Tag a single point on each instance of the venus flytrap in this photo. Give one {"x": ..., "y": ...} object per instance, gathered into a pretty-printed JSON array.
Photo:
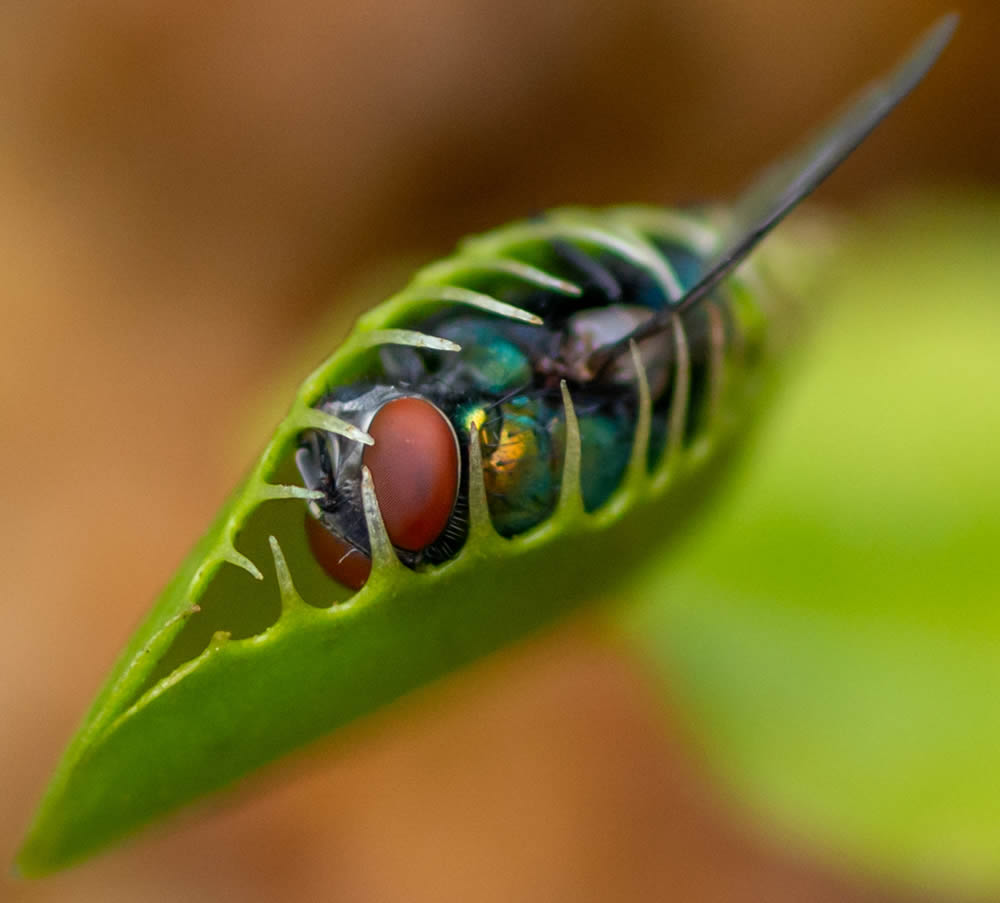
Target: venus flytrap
[{"x": 594, "y": 368}]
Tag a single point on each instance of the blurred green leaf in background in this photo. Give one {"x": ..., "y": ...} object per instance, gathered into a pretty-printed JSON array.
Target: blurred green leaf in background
[{"x": 833, "y": 634}]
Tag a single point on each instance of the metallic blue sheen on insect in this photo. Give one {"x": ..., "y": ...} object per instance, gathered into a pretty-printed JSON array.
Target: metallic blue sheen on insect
[{"x": 504, "y": 382}]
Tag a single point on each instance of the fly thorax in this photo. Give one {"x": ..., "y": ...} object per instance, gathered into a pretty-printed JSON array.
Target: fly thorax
[{"x": 597, "y": 327}]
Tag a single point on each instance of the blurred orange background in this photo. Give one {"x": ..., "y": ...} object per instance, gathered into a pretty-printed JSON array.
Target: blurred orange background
[{"x": 187, "y": 189}]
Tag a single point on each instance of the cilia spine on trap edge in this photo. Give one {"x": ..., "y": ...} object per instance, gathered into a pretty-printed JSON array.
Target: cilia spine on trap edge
[{"x": 554, "y": 304}]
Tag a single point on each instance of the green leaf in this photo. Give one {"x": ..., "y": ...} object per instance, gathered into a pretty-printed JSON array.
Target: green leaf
[
  {"x": 252, "y": 651},
  {"x": 835, "y": 633}
]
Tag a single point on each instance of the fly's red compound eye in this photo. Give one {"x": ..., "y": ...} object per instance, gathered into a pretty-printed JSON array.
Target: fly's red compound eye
[
  {"x": 343, "y": 562},
  {"x": 414, "y": 468}
]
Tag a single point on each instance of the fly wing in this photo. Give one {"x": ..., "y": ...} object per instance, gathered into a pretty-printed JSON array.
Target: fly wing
[
  {"x": 772, "y": 196},
  {"x": 781, "y": 186}
]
